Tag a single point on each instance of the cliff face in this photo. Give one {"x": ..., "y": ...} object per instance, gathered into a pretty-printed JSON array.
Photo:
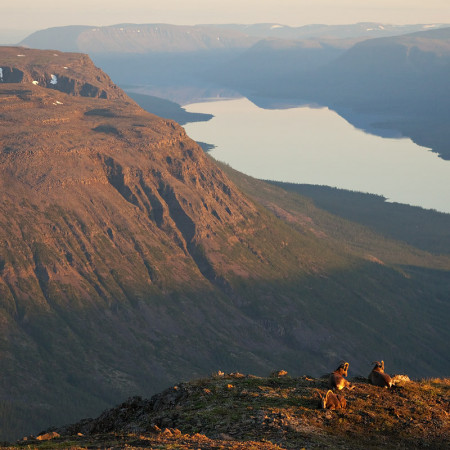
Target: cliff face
[{"x": 71, "y": 73}]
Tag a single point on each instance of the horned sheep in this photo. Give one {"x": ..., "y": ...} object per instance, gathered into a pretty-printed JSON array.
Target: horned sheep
[
  {"x": 337, "y": 380},
  {"x": 332, "y": 401},
  {"x": 378, "y": 378}
]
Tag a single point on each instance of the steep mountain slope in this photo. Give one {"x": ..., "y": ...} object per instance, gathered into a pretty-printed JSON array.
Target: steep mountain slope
[{"x": 129, "y": 260}]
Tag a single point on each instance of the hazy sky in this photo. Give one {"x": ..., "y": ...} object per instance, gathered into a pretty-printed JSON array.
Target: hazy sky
[{"x": 33, "y": 15}]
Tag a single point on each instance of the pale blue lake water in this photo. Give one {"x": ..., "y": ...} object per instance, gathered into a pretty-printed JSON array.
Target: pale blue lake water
[{"x": 317, "y": 146}]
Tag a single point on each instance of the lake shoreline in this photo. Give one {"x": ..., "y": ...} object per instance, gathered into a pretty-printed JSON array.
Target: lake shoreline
[{"x": 316, "y": 146}]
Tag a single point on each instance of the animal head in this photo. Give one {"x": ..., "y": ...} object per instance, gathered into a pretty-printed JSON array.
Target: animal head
[
  {"x": 323, "y": 399},
  {"x": 379, "y": 366},
  {"x": 343, "y": 368}
]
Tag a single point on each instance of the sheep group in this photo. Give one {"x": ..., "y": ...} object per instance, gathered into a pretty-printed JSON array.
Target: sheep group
[{"x": 337, "y": 381}]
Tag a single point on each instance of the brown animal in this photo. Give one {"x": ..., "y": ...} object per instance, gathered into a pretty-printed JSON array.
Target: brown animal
[
  {"x": 332, "y": 401},
  {"x": 337, "y": 380},
  {"x": 378, "y": 378}
]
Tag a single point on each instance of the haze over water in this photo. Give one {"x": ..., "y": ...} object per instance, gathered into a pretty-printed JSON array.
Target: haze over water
[{"x": 316, "y": 146}]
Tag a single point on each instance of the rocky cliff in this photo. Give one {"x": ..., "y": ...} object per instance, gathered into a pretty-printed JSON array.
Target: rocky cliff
[{"x": 71, "y": 73}]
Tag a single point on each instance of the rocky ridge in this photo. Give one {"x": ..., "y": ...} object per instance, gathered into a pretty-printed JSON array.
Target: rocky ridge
[{"x": 245, "y": 411}]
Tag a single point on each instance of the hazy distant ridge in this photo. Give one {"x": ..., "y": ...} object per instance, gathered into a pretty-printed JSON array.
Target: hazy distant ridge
[{"x": 141, "y": 38}]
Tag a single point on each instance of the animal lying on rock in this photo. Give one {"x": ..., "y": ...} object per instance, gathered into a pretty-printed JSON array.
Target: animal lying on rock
[
  {"x": 332, "y": 401},
  {"x": 378, "y": 378},
  {"x": 337, "y": 380}
]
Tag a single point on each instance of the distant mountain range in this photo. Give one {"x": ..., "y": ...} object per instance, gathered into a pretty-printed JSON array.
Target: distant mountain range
[
  {"x": 143, "y": 38},
  {"x": 129, "y": 260},
  {"x": 132, "y": 38}
]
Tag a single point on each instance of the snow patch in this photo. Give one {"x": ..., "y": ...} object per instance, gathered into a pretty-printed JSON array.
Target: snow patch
[
  {"x": 65, "y": 67},
  {"x": 54, "y": 79},
  {"x": 35, "y": 82},
  {"x": 1, "y": 74},
  {"x": 59, "y": 103},
  {"x": 381, "y": 27},
  {"x": 20, "y": 55},
  {"x": 276, "y": 26},
  {"x": 430, "y": 26}
]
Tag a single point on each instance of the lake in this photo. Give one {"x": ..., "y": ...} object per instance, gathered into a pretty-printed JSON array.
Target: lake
[{"x": 317, "y": 146}]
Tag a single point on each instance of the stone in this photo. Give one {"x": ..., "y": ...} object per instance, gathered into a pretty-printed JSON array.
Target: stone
[{"x": 48, "y": 436}]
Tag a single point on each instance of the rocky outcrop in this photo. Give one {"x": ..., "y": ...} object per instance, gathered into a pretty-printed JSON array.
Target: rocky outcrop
[{"x": 241, "y": 408}]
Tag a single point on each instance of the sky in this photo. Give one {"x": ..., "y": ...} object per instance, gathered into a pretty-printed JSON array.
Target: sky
[{"x": 31, "y": 15}]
